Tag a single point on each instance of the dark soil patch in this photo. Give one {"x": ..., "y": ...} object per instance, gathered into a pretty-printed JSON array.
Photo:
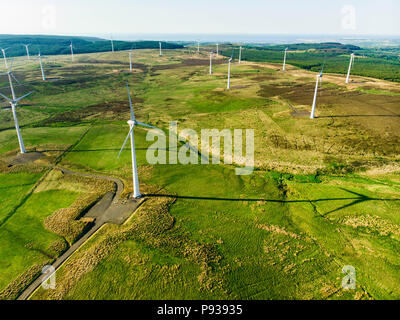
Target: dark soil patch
[
  {"x": 262, "y": 78},
  {"x": 240, "y": 87},
  {"x": 268, "y": 91},
  {"x": 300, "y": 114},
  {"x": 26, "y": 158},
  {"x": 188, "y": 62},
  {"x": 114, "y": 109}
]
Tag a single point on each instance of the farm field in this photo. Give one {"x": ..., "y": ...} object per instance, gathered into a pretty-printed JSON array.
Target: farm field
[{"x": 324, "y": 194}]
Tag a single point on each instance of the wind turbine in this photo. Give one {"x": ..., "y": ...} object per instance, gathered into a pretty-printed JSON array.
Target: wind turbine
[
  {"x": 130, "y": 60},
  {"x": 112, "y": 44},
  {"x": 217, "y": 49},
  {"x": 211, "y": 54},
  {"x": 160, "y": 55},
  {"x": 5, "y": 57},
  {"x": 284, "y": 60},
  {"x": 14, "y": 102},
  {"x": 132, "y": 123},
  {"x": 229, "y": 72},
  {"x": 41, "y": 66},
  {"x": 319, "y": 82},
  {"x": 72, "y": 51},
  {"x": 240, "y": 55},
  {"x": 350, "y": 66},
  {"x": 27, "y": 51}
]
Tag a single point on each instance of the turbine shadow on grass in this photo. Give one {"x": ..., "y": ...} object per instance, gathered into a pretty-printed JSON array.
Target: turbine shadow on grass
[
  {"x": 361, "y": 115},
  {"x": 356, "y": 200},
  {"x": 100, "y": 150}
]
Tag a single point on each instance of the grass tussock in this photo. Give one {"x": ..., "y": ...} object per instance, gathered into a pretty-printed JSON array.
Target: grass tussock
[
  {"x": 15, "y": 287},
  {"x": 6, "y": 167},
  {"x": 63, "y": 221},
  {"x": 372, "y": 224}
]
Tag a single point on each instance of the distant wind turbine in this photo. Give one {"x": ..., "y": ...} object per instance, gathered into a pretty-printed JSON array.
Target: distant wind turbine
[
  {"x": 319, "y": 82},
  {"x": 27, "y": 51},
  {"x": 240, "y": 55},
  {"x": 350, "y": 66},
  {"x": 229, "y": 72},
  {"x": 72, "y": 51},
  {"x": 160, "y": 55},
  {"x": 211, "y": 55},
  {"x": 284, "y": 60},
  {"x": 14, "y": 102},
  {"x": 130, "y": 61},
  {"x": 132, "y": 123},
  {"x": 217, "y": 49},
  {"x": 112, "y": 45},
  {"x": 5, "y": 56},
  {"x": 41, "y": 66}
]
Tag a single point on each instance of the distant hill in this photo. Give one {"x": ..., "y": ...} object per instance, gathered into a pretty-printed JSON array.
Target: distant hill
[
  {"x": 327, "y": 47},
  {"x": 56, "y": 45}
]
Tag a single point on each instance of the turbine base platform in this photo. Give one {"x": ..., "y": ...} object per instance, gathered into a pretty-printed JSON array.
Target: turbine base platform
[{"x": 27, "y": 157}]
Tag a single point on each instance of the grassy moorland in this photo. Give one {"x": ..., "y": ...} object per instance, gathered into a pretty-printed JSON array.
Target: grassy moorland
[
  {"x": 324, "y": 193},
  {"x": 335, "y": 58}
]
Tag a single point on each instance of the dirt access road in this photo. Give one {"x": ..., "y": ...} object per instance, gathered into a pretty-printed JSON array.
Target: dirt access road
[{"x": 110, "y": 209}]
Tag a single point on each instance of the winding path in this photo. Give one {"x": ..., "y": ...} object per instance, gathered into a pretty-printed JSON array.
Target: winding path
[{"x": 110, "y": 209}]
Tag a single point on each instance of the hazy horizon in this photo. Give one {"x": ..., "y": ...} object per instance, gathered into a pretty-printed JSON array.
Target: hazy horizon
[{"x": 256, "y": 17}]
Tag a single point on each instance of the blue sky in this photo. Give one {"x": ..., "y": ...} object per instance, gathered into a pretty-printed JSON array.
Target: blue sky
[{"x": 202, "y": 16}]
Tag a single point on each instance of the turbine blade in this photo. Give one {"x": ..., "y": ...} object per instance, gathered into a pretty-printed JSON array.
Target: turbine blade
[
  {"x": 123, "y": 146},
  {"x": 28, "y": 94},
  {"x": 130, "y": 103},
  {"x": 145, "y": 125},
  {"x": 12, "y": 75},
  {"x": 8, "y": 99}
]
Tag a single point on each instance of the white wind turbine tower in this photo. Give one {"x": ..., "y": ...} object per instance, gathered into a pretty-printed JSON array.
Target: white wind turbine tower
[
  {"x": 41, "y": 66},
  {"x": 160, "y": 55},
  {"x": 229, "y": 72},
  {"x": 132, "y": 123},
  {"x": 130, "y": 61},
  {"x": 211, "y": 55},
  {"x": 284, "y": 60},
  {"x": 350, "y": 66},
  {"x": 4, "y": 56},
  {"x": 112, "y": 45},
  {"x": 240, "y": 55},
  {"x": 27, "y": 51},
  {"x": 217, "y": 49},
  {"x": 72, "y": 51},
  {"x": 14, "y": 102},
  {"x": 319, "y": 82}
]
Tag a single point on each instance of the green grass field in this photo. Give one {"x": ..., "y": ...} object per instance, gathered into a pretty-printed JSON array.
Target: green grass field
[{"x": 324, "y": 193}]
